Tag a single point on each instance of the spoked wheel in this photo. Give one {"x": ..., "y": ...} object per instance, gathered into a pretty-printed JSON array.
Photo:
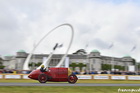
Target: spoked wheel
[
  {"x": 42, "y": 78},
  {"x": 72, "y": 79}
]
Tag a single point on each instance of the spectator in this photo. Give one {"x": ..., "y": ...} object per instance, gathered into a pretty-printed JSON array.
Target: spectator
[
  {"x": 91, "y": 72},
  {"x": 86, "y": 72},
  {"x": 75, "y": 72}
]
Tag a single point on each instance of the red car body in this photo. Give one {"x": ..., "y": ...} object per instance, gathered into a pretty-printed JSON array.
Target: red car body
[{"x": 54, "y": 75}]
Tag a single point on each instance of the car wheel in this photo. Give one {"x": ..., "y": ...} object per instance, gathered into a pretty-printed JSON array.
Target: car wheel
[
  {"x": 72, "y": 79},
  {"x": 42, "y": 78}
]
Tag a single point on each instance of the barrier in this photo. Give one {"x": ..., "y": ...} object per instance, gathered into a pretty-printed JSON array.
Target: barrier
[
  {"x": 1, "y": 76},
  {"x": 12, "y": 76},
  {"x": 100, "y": 77},
  {"x": 88, "y": 77},
  {"x": 118, "y": 77},
  {"x": 25, "y": 77},
  {"x": 84, "y": 76},
  {"x": 133, "y": 77}
]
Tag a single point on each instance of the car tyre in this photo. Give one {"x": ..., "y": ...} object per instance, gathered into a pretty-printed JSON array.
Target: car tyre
[
  {"x": 72, "y": 78},
  {"x": 42, "y": 78}
]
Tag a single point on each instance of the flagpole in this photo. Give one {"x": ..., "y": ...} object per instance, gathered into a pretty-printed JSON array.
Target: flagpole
[
  {"x": 86, "y": 47},
  {"x": 112, "y": 59},
  {"x": 87, "y": 58},
  {"x": 133, "y": 48}
]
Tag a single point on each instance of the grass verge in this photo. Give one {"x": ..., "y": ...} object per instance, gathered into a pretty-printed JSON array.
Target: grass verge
[
  {"x": 65, "y": 89},
  {"x": 79, "y": 81}
]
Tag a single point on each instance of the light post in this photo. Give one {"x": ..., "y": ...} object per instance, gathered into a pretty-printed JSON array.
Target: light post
[
  {"x": 112, "y": 63},
  {"x": 137, "y": 66}
]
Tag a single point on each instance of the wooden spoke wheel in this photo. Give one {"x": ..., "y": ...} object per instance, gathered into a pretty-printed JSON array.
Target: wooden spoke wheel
[
  {"x": 42, "y": 78},
  {"x": 72, "y": 79}
]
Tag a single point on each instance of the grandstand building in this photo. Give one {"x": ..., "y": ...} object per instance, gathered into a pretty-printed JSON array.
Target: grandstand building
[{"x": 93, "y": 60}]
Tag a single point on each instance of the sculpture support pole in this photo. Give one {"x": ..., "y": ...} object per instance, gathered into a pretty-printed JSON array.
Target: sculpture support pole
[
  {"x": 46, "y": 63},
  {"x": 26, "y": 63},
  {"x": 63, "y": 58}
]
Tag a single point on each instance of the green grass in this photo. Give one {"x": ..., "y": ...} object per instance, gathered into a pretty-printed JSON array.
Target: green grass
[
  {"x": 18, "y": 81},
  {"x": 65, "y": 89},
  {"x": 110, "y": 81},
  {"x": 79, "y": 81}
]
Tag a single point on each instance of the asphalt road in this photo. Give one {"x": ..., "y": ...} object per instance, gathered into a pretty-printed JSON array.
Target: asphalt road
[{"x": 64, "y": 84}]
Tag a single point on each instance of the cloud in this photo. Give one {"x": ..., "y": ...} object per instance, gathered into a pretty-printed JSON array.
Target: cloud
[{"x": 96, "y": 22}]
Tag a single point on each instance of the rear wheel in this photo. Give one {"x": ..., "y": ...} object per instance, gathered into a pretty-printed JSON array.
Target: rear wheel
[
  {"x": 72, "y": 79},
  {"x": 42, "y": 78}
]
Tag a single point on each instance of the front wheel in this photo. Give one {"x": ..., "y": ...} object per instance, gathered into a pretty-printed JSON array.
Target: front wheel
[
  {"x": 72, "y": 78},
  {"x": 42, "y": 78}
]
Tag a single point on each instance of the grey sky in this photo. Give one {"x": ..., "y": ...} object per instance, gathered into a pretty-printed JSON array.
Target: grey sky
[{"x": 97, "y": 23}]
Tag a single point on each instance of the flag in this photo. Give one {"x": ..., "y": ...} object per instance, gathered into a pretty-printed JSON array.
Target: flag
[
  {"x": 111, "y": 46},
  {"x": 59, "y": 46},
  {"x": 86, "y": 46},
  {"x": 133, "y": 48},
  {"x": 56, "y": 45}
]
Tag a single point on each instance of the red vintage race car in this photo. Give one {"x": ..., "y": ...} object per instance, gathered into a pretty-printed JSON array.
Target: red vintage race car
[{"x": 54, "y": 75}]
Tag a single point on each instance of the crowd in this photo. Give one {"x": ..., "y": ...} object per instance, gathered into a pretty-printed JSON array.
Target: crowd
[
  {"x": 107, "y": 72},
  {"x": 76, "y": 72},
  {"x": 9, "y": 71}
]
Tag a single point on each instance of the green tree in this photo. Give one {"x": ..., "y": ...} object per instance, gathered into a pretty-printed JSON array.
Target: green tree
[
  {"x": 106, "y": 66},
  {"x": 81, "y": 65},
  {"x": 73, "y": 65},
  {"x": 31, "y": 64},
  {"x": 35, "y": 64},
  {"x": 138, "y": 65},
  {"x": 1, "y": 65},
  {"x": 38, "y": 64},
  {"x": 119, "y": 67}
]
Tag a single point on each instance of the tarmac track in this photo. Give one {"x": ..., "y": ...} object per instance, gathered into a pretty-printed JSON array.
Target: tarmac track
[{"x": 64, "y": 84}]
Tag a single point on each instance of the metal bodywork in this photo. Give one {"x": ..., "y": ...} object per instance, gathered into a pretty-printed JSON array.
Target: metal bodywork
[{"x": 53, "y": 75}]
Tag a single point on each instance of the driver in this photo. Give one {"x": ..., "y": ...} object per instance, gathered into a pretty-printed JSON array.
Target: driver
[{"x": 42, "y": 69}]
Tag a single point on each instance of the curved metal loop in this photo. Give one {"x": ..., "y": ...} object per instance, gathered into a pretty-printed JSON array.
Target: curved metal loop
[{"x": 26, "y": 67}]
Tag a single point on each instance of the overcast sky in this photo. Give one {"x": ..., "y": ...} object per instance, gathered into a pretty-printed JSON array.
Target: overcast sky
[{"x": 98, "y": 23}]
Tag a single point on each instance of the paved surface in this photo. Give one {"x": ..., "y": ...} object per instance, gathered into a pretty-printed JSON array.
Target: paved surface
[{"x": 63, "y": 84}]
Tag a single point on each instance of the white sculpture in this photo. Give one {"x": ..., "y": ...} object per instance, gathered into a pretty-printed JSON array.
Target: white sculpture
[{"x": 26, "y": 63}]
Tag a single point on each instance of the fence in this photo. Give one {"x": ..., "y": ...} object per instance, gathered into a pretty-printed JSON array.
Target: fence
[{"x": 93, "y": 77}]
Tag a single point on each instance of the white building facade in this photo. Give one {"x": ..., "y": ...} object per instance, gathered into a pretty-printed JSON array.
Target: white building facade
[{"x": 93, "y": 60}]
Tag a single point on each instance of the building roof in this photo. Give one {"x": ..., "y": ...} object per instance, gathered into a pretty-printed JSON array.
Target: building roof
[
  {"x": 8, "y": 55},
  {"x": 21, "y": 51},
  {"x": 127, "y": 55},
  {"x": 94, "y": 50}
]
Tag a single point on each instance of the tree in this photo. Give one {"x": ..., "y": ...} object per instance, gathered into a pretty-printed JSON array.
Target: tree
[
  {"x": 119, "y": 67},
  {"x": 1, "y": 65},
  {"x": 35, "y": 64},
  {"x": 38, "y": 64},
  {"x": 138, "y": 64},
  {"x": 31, "y": 64},
  {"x": 106, "y": 66},
  {"x": 73, "y": 65},
  {"x": 81, "y": 65}
]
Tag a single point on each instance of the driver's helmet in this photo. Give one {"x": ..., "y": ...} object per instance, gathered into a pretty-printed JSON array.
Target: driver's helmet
[{"x": 42, "y": 66}]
